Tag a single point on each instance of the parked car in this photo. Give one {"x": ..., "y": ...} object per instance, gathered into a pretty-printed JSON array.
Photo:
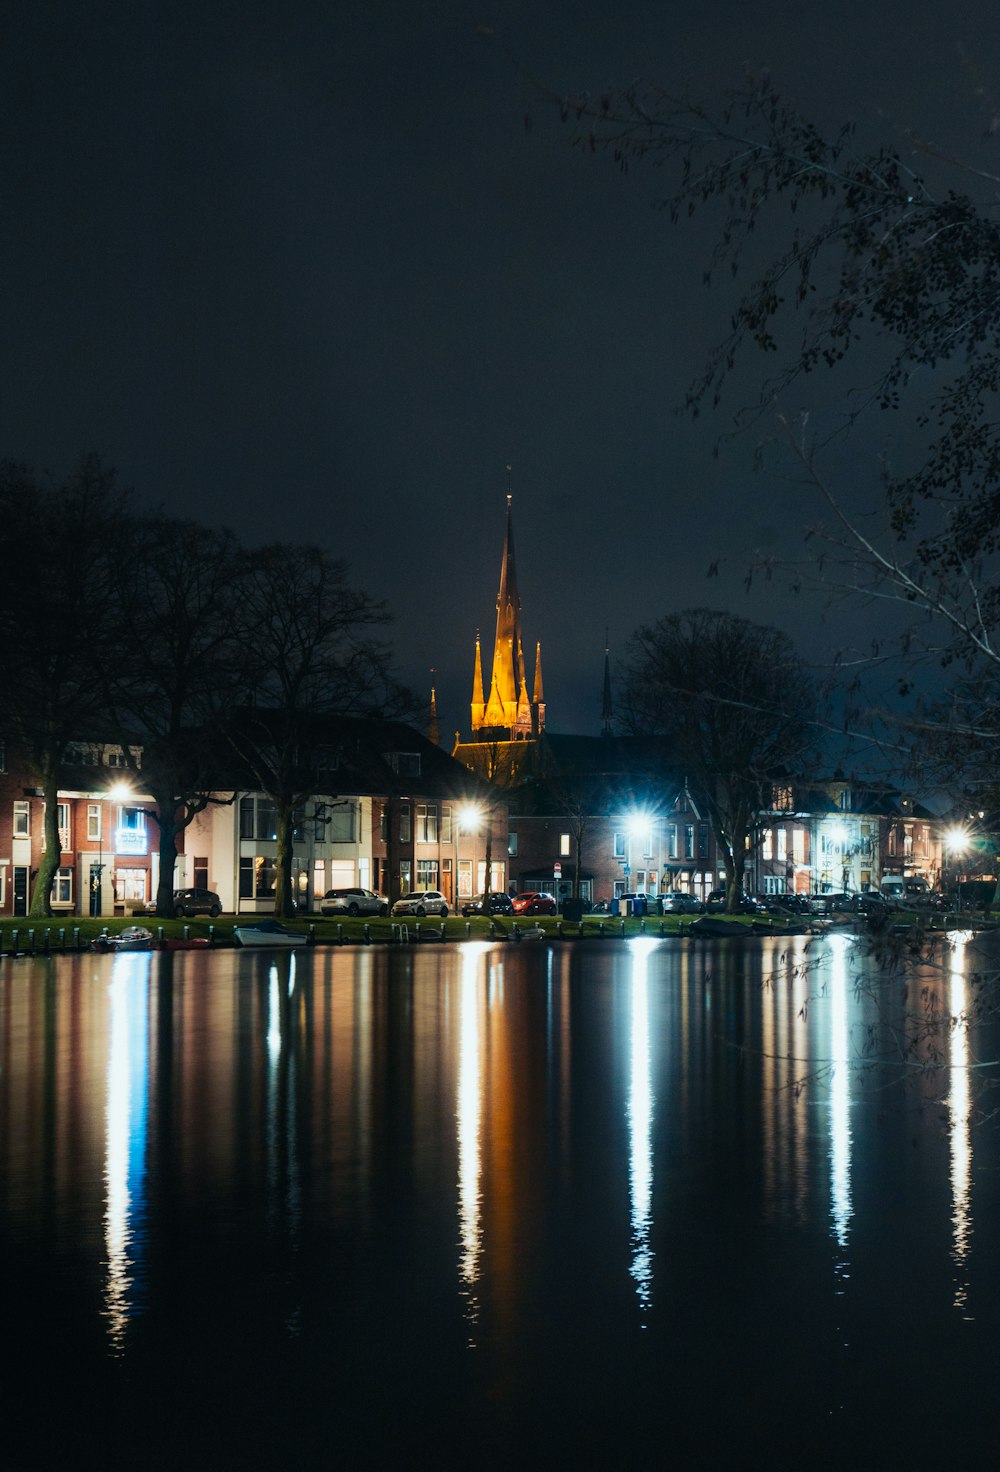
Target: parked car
[
  {"x": 745, "y": 905},
  {"x": 789, "y": 904},
  {"x": 188, "y": 902},
  {"x": 493, "y": 904},
  {"x": 352, "y": 901},
  {"x": 676, "y": 902},
  {"x": 534, "y": 902},
  {"x": 835, "y": 902},
  {"x": 422, "y": 902},
  {"x": 870, "y": 903}
]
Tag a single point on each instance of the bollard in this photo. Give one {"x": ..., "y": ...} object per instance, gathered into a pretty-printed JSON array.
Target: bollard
[
  {"x": 623, "y": 930},
  {"x": 312, "y": 936},
  {"x": 13, "y": 941},
  {"x": 368, "y": 934},
  {"x": 559, "y": 929},
  {"x": 600, "y": 929},
  {"x": 187, "y": 932},
  {"x": 468, "y": 930},
  {"x": 76, "y": 937},
  {"x": 211, "y": 936},
  {"x": 31, "y": 942},
  {"x": 340, "y": 934}
]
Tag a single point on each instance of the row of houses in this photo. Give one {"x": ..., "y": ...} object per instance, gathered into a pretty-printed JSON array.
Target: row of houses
[{"x": 598, "y": 816}]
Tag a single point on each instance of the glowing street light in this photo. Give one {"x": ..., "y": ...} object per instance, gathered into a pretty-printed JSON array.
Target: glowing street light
[
  {"x": 118, "y": 792},
  {"x": 468, "y": 819}
]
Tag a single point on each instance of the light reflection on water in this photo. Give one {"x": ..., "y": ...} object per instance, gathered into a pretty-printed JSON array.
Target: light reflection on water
[
  {"x": 329, "y": 1144},
  {"x": 640, "y": 1123},
  {"x": 125, "y": 1141}
]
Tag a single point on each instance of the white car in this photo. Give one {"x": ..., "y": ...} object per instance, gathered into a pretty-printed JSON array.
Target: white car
[
  {"x": 678, "y": 902},
  {"x": 352, "y": 902},
  {"x": 422, "y": 902}
]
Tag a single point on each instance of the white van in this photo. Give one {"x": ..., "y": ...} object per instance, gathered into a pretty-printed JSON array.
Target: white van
[{"x": 897, "y": 890}]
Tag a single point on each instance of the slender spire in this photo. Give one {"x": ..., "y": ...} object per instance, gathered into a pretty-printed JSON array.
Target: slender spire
[
  {"x": 538, "y": 697},
  {"x": 432, "y": 721},
  {"x": 607, "y": 710},
  {"x": 478, "y": 704},
  {"x": 502, "y": 704},
  {"x": 506, "y": 676}
]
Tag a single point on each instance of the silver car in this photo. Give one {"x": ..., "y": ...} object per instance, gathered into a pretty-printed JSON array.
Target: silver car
[
  {"x": 352, "y": 902},
  {"x": 677, "y": 902},
  {"x": 422, "y": 902}
]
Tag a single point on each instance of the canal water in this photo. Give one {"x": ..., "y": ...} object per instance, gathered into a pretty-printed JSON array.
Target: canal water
[{"x": 618, "y": 1204}]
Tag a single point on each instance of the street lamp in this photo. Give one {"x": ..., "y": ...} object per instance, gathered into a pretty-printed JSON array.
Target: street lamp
[
  {"x": 469, "y": 819},
  {"x": 118, "y": 792},
  {"x": 637, "y": 824},
  {"x": 956, "y": 844}
]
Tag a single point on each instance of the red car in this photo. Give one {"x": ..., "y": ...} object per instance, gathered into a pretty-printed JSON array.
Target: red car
[{"x": 533, "y": 902}]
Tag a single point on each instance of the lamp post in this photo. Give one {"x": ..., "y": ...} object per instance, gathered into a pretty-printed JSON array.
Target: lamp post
[
  {"x": 956, "y": 844},
  {"x": 468, "y": 818},
  {"x": 118, "y": 792},
  {"x": 637, "y": 823}
]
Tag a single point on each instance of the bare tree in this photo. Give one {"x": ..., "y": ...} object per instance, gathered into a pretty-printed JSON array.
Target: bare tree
[
  {"x": 177, "y": 595},
  {"x": 884, "y": 255},
  {"x": 734, "y": 708},
  {"x": 308, "y": 647},
  {"x": 57, "y": 617}
]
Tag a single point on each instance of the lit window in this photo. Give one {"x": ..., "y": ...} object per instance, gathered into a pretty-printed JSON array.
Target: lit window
[
  {"x": 512, "y": 845},
  {"x": 564, "y": 843},
  {"x": 22, "y": 820},
  {"x": 427, "y": 828},
  {"x": 62, "y": 887},
  {"x": 404, "y": 823},
  {"x": 93, "y": 822}
]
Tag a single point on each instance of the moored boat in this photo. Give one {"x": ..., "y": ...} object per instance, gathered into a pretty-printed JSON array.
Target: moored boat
[
  {"x": 132, "y": 938},
  {"x": 269, "y": 934}
]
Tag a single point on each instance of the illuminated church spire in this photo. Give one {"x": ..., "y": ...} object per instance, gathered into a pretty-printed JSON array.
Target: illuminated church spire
[{"x": 507, "y": 713}]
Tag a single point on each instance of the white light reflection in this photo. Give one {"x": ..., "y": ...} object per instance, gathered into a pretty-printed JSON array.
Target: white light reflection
[
  {"x": 125, "y": 1139},
  {"x": 640, "y": 1127},
  {"x": 468, "y": 1115},
  {"x": 841, "y": 1207},
  {"x": 959, "y": 1135}
]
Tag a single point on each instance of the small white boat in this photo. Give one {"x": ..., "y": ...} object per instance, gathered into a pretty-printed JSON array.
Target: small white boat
[
  {"x": 268, "y": 933},
  {"x": 132, "y": 938},
  {"x": 533, "y": 932}
]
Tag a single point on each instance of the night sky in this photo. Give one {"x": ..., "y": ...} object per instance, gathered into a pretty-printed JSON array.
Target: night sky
[{"x": 301, "y": 269}]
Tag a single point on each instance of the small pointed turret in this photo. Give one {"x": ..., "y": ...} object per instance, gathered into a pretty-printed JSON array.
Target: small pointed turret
[
  {"x": 432, "y": 720},
  {"x": 478, "y": 704},
  {"x": 607, "y": 711}
]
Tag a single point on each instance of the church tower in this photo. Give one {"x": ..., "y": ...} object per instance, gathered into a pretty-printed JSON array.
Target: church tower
[{"x": 507, "y": 713}]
